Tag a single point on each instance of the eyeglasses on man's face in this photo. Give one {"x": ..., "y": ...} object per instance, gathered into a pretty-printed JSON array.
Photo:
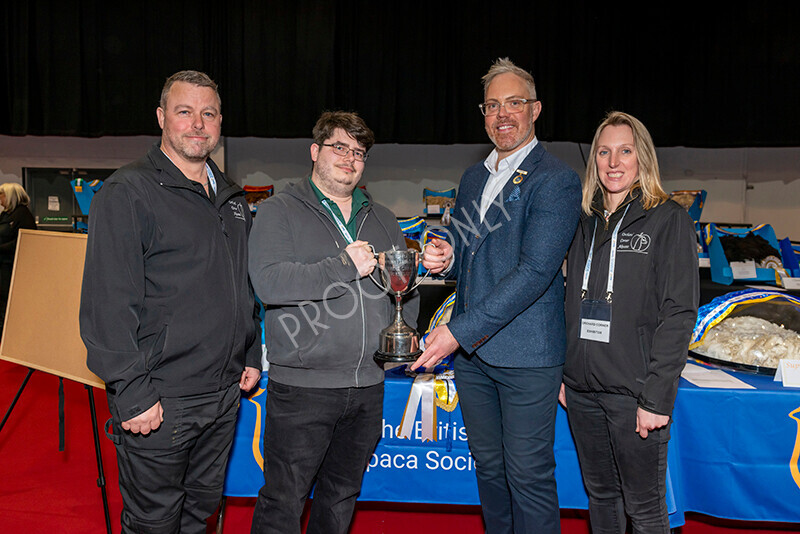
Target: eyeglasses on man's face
[
  {"x": 343, "y": 151},
  {"x": 515, "y": 105}
]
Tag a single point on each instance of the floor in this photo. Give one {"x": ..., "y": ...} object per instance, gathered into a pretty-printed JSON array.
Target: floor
[{"x": 44, "y": 490}]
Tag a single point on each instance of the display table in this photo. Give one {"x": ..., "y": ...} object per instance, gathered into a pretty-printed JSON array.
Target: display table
[
  {"x": 731, "y": 454},
  {"x": 736, "y": 451}
]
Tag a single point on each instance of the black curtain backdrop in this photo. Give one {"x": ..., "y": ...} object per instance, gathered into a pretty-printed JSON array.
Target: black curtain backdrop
[{"x": 696, "y": 76}]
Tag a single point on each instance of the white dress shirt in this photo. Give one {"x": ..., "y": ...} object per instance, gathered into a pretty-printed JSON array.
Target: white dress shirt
[{"x": 499, "y": 176}]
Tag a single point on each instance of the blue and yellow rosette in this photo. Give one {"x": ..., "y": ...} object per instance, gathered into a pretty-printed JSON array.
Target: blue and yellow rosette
[
  {"x": 413, "y": 227},
  {"x": 711, "y": 228},
  {"x": 434, "y": 232},
  {"x": 427, "y": 236},
  {"x": 711, "y": 314},
  {"x": 442, "y": 314}
]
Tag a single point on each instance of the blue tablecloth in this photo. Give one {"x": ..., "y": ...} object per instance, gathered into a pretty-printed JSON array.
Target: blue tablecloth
[
  {"x": 737, "y": 450},
  {"x": 733, "y": 454}
]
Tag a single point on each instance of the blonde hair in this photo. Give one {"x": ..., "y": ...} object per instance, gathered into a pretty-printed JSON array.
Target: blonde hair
[
  {"x": 649, "y": 176},
  {"x": 15, "y": 195},
  {"x": 504, "y": 65}
]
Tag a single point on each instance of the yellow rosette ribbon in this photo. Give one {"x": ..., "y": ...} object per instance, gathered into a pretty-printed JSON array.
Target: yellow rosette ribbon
[
  {"x": 428, "y": 392},
  {"x": 794, "y": 463}
]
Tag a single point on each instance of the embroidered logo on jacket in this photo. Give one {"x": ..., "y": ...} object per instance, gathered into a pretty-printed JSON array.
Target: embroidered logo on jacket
[
  {"x": 629, "y": 242},
  {"x": 238, "y": 210}
]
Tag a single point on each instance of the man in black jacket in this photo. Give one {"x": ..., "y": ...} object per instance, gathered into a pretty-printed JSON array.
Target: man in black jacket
[{"x": 168, "y": 314}]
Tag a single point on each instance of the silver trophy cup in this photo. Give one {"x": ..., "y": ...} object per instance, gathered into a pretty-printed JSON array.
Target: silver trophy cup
[{"x": 398, "y": 271}]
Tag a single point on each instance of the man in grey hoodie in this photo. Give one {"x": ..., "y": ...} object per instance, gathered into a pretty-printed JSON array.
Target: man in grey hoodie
[{"x": 309, "y": 264}]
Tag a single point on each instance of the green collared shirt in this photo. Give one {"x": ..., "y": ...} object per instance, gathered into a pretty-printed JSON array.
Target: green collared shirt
[{"x": 359, "y": 201}]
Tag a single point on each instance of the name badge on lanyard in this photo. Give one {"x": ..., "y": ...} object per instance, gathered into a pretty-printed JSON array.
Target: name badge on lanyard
[
  {"x": 596, "y": 320},
  {"x": 596, "y": 314}
]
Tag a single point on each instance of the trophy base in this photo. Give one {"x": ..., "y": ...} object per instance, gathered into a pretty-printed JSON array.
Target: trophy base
[
  {"x": 399, "y": 343},
  {"x": 385, "y": 357}
]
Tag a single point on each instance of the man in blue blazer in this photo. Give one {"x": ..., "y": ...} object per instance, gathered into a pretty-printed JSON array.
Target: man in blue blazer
[{"x": 514, "y": 219}]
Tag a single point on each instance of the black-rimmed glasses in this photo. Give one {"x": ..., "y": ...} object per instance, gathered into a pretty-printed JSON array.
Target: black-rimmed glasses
[{"x": 343, "y": 151}]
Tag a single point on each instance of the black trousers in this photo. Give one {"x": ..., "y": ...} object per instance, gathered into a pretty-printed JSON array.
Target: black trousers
[
  {"x": 315, "y": 433},
  {"x": 623, "y": 473},
  {"x": 171, "y": 480}
]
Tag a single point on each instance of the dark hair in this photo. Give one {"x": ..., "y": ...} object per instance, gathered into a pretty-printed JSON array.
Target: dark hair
[
  {"x": 349, "y": 121},
  {"x": 193, "y": 77}
]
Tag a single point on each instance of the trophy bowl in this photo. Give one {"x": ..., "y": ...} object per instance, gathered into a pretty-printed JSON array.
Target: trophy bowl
[{"x": 398, "y": 343}]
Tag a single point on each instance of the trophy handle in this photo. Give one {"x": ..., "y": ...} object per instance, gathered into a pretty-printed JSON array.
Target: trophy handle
[
  {"x": 427, "y": 272},
  {"x": 373, "y": 270}
]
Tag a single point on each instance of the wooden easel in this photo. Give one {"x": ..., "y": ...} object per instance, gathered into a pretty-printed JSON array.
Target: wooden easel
[{"x": 41, "y": 328}]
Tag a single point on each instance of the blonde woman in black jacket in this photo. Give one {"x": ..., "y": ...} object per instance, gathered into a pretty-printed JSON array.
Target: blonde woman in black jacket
[{"x": 631, "y": 304}]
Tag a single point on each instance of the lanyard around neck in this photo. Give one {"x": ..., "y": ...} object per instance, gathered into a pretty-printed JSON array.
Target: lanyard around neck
[
  {"x": 212, "y": 181},
  {"x": 612, "y": 260},
  {"x": 342, "y": 228}
]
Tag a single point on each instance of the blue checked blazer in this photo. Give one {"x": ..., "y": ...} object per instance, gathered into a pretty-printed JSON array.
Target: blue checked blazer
[{"x": 510, "y": 290}]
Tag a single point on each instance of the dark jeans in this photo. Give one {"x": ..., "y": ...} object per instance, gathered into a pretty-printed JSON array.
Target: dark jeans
[
  {"x": 622, "y": 472},
  {"x": 171, "y": 480},
  {"x": 510, "y": 416},
  {"x": 315, "y": 433}
]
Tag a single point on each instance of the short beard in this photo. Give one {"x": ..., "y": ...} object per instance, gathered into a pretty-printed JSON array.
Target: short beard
[
  {"x": 522, "y": 139},
  {"x": 189, "y": 151},
  {"x": 332, "y": 187}
]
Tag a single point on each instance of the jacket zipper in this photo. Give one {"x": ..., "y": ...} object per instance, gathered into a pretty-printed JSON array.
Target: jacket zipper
[
  {"x": 327, "y": 217},
  {"x": 231, "y": 267},
  {"x": 231, "y": 271},
  {"x": 596, "y": 287},
  {"x": 363, "y": 317}
]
